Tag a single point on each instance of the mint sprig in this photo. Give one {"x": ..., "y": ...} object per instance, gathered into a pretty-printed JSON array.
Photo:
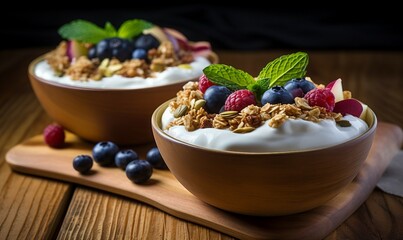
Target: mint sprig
[
  {"x": 232, "y": 78},
  {"x": 132, "y": 28},
  {"x": 83, "y": 31},
  {"x": 88, "y": 32},
  {"x": 285, "y": 68},
  {"x": 276, "y": 72}
]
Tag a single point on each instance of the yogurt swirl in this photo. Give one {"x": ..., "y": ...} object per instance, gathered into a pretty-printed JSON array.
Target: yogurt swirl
[
  {"x": 293, "y": 135},
  {"x": 168, "y": 76}
]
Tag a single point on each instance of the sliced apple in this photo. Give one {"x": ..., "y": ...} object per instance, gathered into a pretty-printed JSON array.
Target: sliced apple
[
  {"x": 76, "y": 49},
  {"x": 173, "y": 40},
  {"x": 182, "y": 41},
  {"x": 156, "y": 32},
  {"x": 337, "y": 89},
  {"x": 363, "y": 115},
  {"x": 351, "y": 106}
]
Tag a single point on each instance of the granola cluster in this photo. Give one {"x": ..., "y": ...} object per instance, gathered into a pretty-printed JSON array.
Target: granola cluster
[
  {"x": 84, "y": 69},
  {"x": 188, "y": 112}
]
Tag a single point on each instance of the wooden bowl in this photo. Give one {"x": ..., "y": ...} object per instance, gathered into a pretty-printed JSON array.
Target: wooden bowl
[
  {"x": 118, "y": 115},
  {"x": 264, "y": 184}
]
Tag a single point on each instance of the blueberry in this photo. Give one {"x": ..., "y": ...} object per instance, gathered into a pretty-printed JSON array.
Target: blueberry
[
  {"x": 215, "y": 97},
  {"x": 121, "y": 48},
  {"x": 113, "y": 48},
  {"x": 92, "y": 53},
  {"x": 102, "y": 49},
  {"x": 139, "y": 53},
  {"x": 104, "y": 153},
  {"x": 124, "y": 157},
  {"x": 154, "y": 157},
  {"x": 82, "y": 163},
  {"x": 299, "y": 86},
  {"x": 139, "y": 171},
  {"x": 277, "y": 94},
  {"x": 146, "y": 42}
]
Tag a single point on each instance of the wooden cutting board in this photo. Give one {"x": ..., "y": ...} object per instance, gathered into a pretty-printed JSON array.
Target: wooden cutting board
[{"x": 163, "y": 191}]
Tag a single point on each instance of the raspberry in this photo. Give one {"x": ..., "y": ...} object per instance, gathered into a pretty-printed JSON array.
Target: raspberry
[
  {"x": 54, "y": 135},
  {"x": 321, "y": 97},
  {"x": 239, "y": 99},
  {"x": 204, "y": 83}
]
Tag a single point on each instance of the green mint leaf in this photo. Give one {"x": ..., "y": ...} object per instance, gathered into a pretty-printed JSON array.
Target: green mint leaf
[
  {"x": 284, "y": 68},
  {"x": 82, "y": 31},
  {"x": 260, "y": 87},
  {"x": 110, "y": 30},
  {"x": 230, "y": 77},
  {"x": 132, "y": 28}
]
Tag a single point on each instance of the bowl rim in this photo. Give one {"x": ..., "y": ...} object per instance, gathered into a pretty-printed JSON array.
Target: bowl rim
[
  {"x": 371, "y": 121},
  {"x": 35, "y": 61}
]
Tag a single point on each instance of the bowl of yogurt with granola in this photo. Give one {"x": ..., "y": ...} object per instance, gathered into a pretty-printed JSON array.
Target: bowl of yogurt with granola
[
  {"x": 270, "y": 145},
  {"x": 104, "y": 83}
]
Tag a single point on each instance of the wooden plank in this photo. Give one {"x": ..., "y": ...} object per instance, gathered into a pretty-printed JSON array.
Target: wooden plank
[
  {"x": 166, "y": 193},
  {"x": 99, "y": 215},
  {"x": 30, "y": 207}
]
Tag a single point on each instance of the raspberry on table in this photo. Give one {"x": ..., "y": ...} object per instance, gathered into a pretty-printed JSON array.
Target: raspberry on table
[
  {"x": 204, "y": 83},
  {"x": 54, "y": 136},
  {"x": 239, "y": 99},
  {"x": 321, "y": 97}
]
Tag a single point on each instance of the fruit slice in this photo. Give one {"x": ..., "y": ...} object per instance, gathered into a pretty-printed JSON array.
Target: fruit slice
[
  {"x": 156, "y": 32},
  {"x": 363, "y": 115},
  {"x": 173, "y": 40},
  {"x": 75, "y": 50},
  {"x": 200, "y": 48},
  {"x": 337, "y": 89},
  {"x": 179, "y": 38},
  {"x": 351, "y": 106}
]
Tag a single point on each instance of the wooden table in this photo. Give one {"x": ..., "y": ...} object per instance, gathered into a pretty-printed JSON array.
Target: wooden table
[{"x": 38, "y": 208}]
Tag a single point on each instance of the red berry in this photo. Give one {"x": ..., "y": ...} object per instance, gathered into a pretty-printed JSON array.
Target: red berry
[
  {"x": 54, "y": 135},
  {"x": 239, "y": 99},
  {"x": 204, "y": 83},
  {"x": 321, "y": 97}
]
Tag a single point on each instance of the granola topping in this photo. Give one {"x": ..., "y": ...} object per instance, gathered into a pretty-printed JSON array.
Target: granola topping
[
  {"x": 121, "y": 57},
  {"x": 251, "y": 117},
  {"x": 271, "y": 127}
]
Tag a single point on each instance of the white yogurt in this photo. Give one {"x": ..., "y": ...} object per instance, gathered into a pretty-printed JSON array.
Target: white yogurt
[
  {"x": 170, "y": 75},
  {"x": 292, "y": 135}
]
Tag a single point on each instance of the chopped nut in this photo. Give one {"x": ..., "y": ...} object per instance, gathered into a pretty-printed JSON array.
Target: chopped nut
[
  {"x": 243, "y": 130},
  {"x": 302, "y": 103},
  {"x": 199, "y": 104},
  {"x": 229, "y": 114},
  {"x": 180, "y": 111},
  {"x": 343, "y": 123}
]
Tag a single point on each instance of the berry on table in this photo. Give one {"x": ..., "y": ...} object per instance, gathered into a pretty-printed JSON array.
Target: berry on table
[
  {"x": 322, "y": 97},
  {"x": 204, "y": 83},
  {"x": 82, "y": 163},
  {"x": 215, "y": 97},
  {"x": 54, "y": 136},
  {"x": 277, "y": 94},
  {"x": 139, "y": 171},
  {"x": 298, "y": 87},
  {"x": 239, "y": 99},
  {"x": 104, "y": 152},
  {"x": 124, "y": 157},
  {"x": 155, "y": 158}
]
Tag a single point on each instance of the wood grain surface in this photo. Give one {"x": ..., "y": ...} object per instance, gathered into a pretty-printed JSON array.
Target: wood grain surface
[
  {"x": 164, "y": 192},
  {"x": 374, "y": 77}
]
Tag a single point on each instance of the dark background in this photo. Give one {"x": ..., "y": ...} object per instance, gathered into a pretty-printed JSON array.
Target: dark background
[{"x": 241, "y": 27}]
